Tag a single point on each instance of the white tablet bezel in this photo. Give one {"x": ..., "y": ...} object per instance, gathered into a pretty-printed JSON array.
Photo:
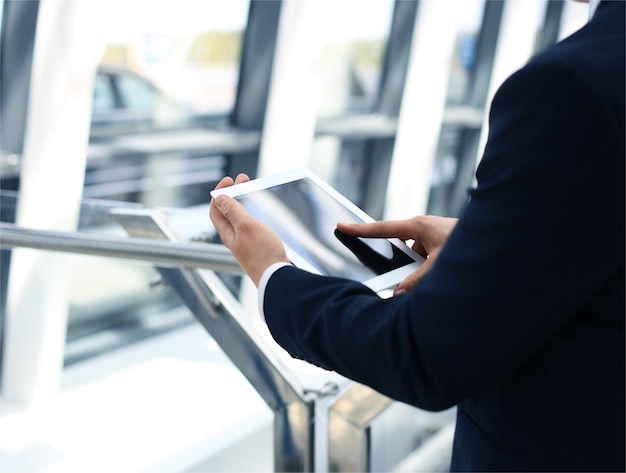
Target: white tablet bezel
[{"x": 378, "y": 283}]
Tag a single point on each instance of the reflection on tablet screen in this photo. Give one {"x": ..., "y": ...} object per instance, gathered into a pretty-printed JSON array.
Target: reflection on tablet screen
[{"x": 305, "y": 217}]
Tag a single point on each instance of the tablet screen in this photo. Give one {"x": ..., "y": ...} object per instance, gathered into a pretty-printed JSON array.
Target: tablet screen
[{"x": 305, "y": 217}]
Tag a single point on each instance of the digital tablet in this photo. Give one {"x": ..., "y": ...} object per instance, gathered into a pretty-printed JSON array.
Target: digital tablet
[{"x": 304, "y": 211}]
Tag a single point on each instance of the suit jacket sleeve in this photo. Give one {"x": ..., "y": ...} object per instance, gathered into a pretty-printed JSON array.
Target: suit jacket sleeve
[{"x": 539, "y": 239}]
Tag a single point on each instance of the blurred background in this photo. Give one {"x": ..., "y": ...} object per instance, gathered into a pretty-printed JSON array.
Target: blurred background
[{"x": 146, "y": 104}]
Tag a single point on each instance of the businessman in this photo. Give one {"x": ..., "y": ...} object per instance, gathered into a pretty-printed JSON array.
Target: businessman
[{"x": 518, "y": 315}]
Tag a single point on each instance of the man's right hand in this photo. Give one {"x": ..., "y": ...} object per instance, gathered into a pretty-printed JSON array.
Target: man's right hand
[{"x": 427, "y": 233}]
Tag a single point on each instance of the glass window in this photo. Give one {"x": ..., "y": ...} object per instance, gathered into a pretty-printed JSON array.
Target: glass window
[
  {"x": 454, "y": 166},
  {"x": 103, "y": 95},
  {"x": 190, "y": 49},
  {"x": 165, "y": 87},
  {"x": 164, "y": 90},
  {"x": 351, "y": 69},
  {"x": 353, "y": 58},
  {"x": 136, "y": 94}
]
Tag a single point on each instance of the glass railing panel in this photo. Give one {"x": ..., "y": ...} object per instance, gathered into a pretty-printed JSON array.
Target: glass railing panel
[{"x": 112, "y": 302}]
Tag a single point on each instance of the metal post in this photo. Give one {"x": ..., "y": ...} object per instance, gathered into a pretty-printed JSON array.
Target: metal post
[
  {"x": 349, "y": 421},
  {"x": 17, "y": 40},
  {"x": 379, "y": 152},
  {"x": 549, "y": 33},
  {"x": 422, "y": 110},
  {"x": 476, "y": 97},
  {"x": 255, "y": 74}
]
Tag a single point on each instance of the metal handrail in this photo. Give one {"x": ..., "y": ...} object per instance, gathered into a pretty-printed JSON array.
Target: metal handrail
[{"x": 159, "y": 252}]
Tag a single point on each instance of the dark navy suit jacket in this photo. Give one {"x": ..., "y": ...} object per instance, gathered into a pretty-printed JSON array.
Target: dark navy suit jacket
[{"x": 520, "y": 323}]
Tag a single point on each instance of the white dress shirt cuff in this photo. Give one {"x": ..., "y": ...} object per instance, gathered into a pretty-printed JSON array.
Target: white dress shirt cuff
[{"x": 267, "y": 274}]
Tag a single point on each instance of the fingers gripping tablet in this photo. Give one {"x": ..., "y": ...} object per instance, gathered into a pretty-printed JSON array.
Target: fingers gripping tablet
[{"x": 304, "y": 211}]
